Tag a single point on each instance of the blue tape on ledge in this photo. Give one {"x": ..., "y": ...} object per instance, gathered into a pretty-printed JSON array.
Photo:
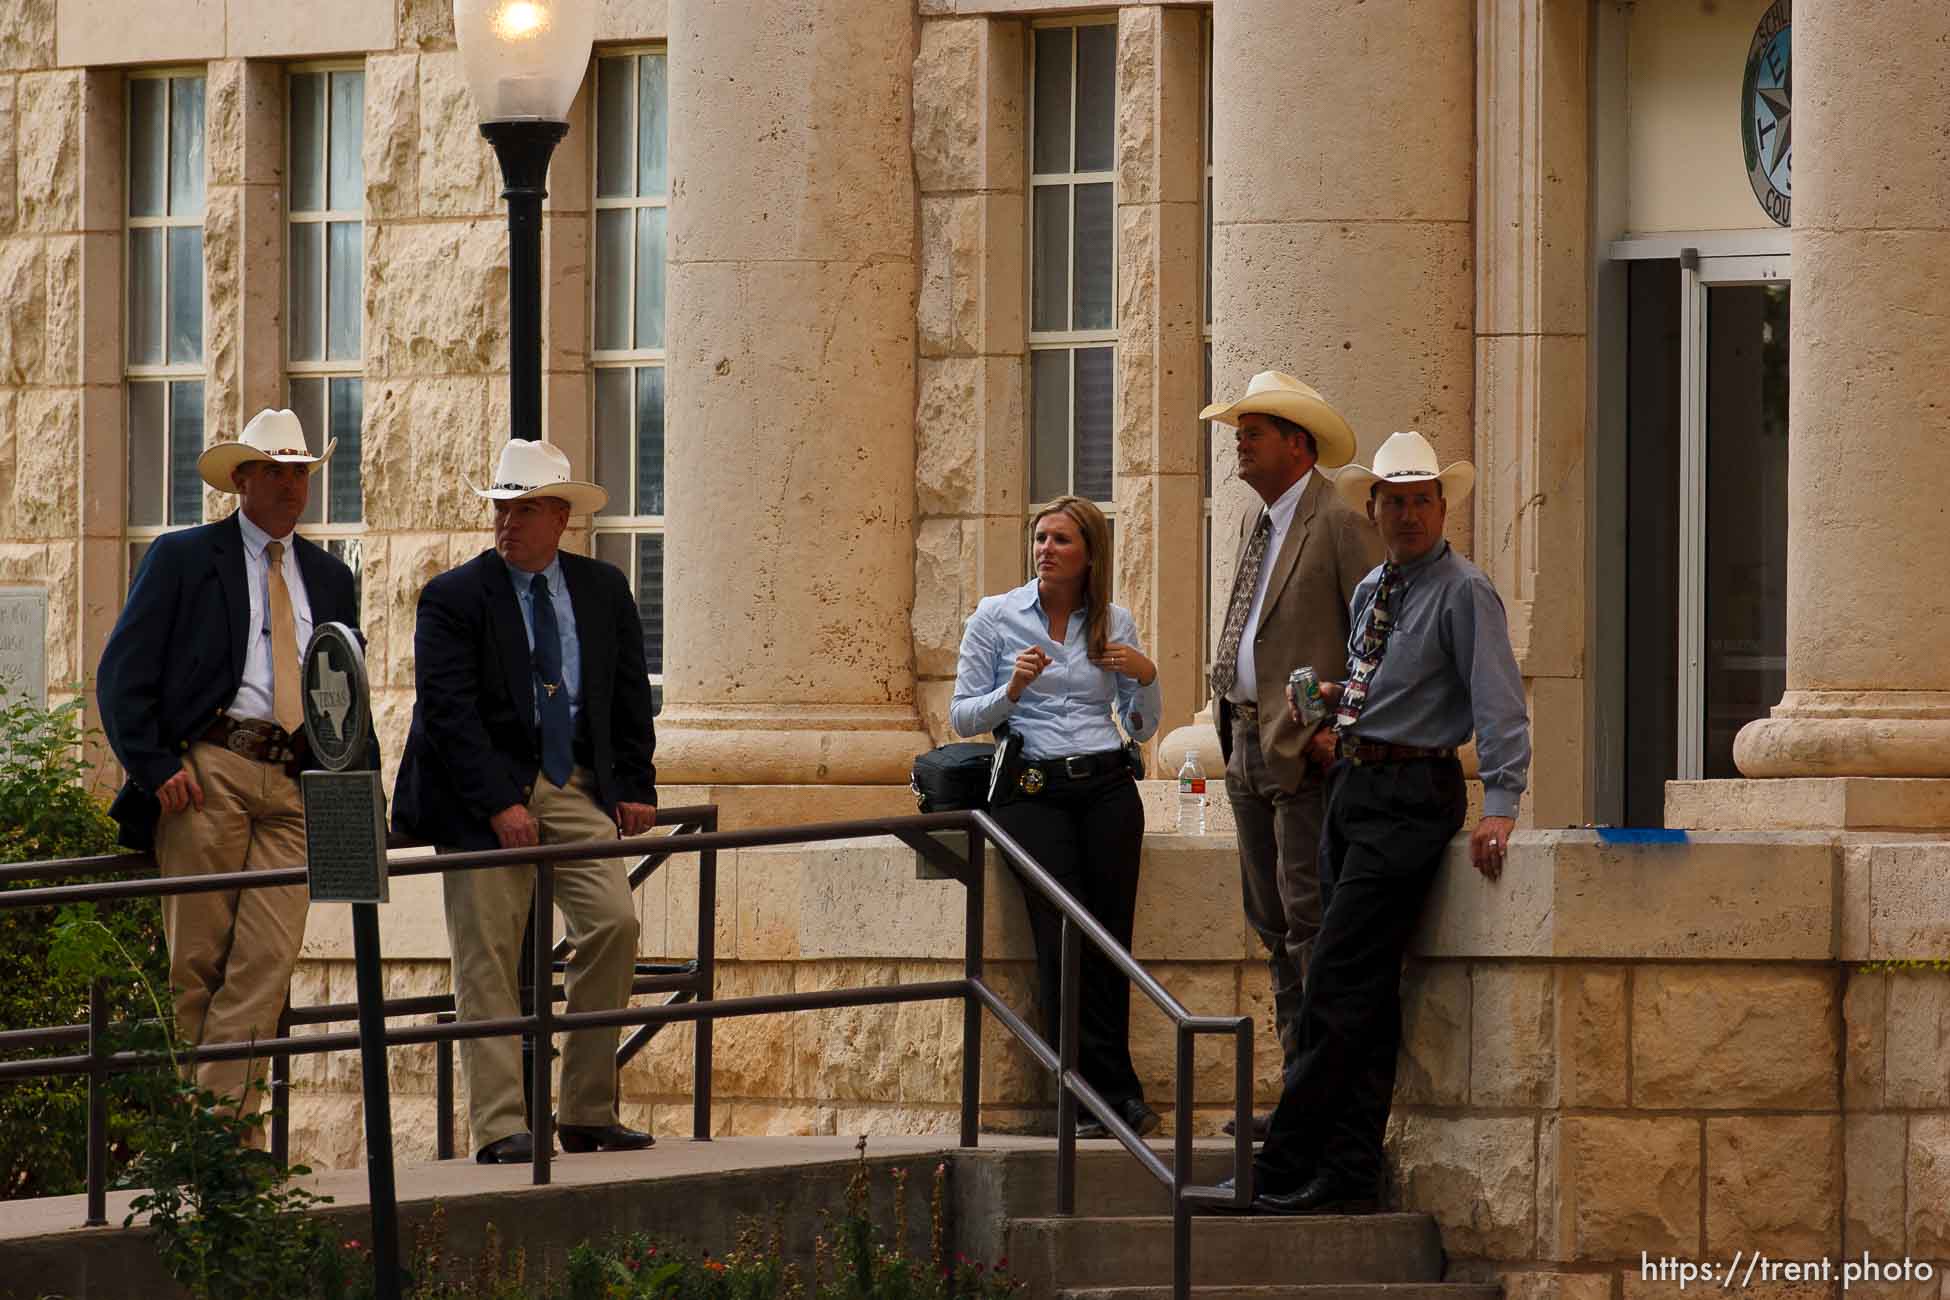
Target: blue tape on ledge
[{"x": 1639, "y": 835}]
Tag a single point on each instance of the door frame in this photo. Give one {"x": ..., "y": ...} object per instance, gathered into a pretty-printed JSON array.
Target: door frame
[
  {"x": 1706, "y": 257},
  {"x": 1698, "y": 276}
]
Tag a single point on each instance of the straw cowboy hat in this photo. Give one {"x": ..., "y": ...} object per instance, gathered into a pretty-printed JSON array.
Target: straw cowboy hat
[
  {"x": 276, "y": 436},
  {"x": 540, "y": 469},
  {"x": 1273, "y": 393},
  {"x": 1405, "y": 458}
]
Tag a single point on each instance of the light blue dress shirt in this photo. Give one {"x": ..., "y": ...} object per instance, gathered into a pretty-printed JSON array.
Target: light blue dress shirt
[
  {"x": 256, "y": 692},
  {"x": 565, "y": 622},
  {"x": 1067, "y": 709},
  {"x": 1448, "y": 671}
]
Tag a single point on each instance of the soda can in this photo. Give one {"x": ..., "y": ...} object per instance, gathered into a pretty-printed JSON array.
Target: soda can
[{"x": 1303, "y": 688}]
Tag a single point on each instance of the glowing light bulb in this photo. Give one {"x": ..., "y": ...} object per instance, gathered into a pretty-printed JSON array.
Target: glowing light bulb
[{"x": 521, "y": 19}]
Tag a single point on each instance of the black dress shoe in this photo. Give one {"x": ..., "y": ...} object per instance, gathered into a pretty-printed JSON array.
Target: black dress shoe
[
  {"x": 1321, "y": 1194},
  {"x": 515, "y": 1149},
  {"x": 1133, "y": 1112},
  {"x": 602, "y": 1137},
  {"x": 1262, "y": 1123}
]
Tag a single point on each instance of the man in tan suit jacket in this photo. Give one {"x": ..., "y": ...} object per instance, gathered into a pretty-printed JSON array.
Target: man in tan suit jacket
[{"x": 1299, "y": 559}]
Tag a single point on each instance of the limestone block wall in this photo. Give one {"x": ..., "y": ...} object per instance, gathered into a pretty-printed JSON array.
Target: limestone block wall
[{"x": 1727, "y": 1045}]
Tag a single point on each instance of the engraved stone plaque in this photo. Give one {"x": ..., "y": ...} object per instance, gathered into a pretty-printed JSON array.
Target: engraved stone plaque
[
  {"x": 23, "y": 645},
  {"x": 345, "y": 837}
]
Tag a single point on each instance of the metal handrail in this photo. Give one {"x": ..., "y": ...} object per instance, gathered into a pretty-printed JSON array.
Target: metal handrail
[{"x": 704, "y": 1009}]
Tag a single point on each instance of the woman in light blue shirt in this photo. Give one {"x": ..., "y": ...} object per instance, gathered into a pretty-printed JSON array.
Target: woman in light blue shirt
[{"x": 1053, "y": 659}]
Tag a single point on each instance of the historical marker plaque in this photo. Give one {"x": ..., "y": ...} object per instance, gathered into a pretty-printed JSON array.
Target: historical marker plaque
[
  {"x": 23, "y": 645},
  {"x": 345, "y": 837},
  {"x": 345, "y": 812}
]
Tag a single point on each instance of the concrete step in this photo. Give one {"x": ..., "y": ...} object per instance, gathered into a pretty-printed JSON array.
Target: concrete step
[
  {"x": 1022, "y": 1184},
  {"x": 1052, "y": 1254},
  {"x": 1332, "y": 1291}
]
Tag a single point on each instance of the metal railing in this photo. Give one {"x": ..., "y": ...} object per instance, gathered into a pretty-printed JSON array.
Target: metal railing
[{"x": 691, "y": 990}]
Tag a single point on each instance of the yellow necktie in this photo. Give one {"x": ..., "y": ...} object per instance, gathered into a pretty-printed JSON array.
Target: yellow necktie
[{"x": 284, "y": 643}]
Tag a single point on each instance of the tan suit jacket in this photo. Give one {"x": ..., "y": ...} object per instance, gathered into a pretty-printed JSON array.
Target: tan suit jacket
[{"x": 1303, "y": 620}]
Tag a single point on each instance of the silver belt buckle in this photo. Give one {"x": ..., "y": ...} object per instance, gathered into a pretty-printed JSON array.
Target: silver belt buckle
[
  {"x": 1076, "y": 767},
  {"x": 241, "y": 742}
]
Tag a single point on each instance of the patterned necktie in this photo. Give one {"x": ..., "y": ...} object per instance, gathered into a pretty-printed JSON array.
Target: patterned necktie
[
  {"x": 1374, "y": 642},
  {"x": 1225, "y": 665},
  {"x": 558, "y": 750},
  {"x": 290, "y": 714}
]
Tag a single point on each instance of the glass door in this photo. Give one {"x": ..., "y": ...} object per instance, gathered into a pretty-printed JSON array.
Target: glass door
[
  {"x": 1733, "y": 505},
  {"x": 1700, "y": 628}
]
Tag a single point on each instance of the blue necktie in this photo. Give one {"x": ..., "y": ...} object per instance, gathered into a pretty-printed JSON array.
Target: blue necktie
[{"x": 551, "y": 692}]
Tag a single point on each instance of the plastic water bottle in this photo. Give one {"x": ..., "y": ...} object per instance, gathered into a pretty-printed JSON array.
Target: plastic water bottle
[{"x": 1191, "y": 797}]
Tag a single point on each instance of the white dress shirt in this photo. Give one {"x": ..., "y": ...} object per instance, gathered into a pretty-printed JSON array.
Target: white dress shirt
[
  {"x": 1243, "y": 690},
  {"x": 254, "y": 694}
]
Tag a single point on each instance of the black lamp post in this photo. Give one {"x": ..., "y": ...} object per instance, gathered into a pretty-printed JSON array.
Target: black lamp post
[{"x": 524, "y": 60}]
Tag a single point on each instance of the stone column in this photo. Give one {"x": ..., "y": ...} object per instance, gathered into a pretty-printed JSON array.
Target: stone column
[
  {"x": 1868, "y": 687},
  {"x": 1343, "y": 150},
  {"x": 790, "y": 569},
  {"x": 1160, "y": 186},
  {"x": 1532, "y": 301},
  {"x": 969, "y": 97}
]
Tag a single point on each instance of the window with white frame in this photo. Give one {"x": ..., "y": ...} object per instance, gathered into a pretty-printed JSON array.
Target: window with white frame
[
  {"x": 1073, "y": 260},
  {"x": 324, "y": 280},
  {"x": 164, "y": 304},
  {"x": 631, "y": 210}
]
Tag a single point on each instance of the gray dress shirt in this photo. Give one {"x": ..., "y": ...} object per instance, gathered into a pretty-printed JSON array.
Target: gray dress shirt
[{"x": 1448, "y": 670}]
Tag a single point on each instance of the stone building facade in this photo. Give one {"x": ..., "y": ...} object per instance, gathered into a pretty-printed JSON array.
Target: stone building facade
[{"x": 836, "y": 290}]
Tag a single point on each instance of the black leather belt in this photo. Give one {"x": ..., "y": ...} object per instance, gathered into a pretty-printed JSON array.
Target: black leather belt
[
  {"x": 1079, "y": 767},
  {"x": 259, "y": 741},
  {"x": 1376, "y": 751}
]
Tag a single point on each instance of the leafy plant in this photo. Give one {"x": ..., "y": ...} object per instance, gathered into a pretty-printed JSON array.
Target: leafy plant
[
  {"x": 51, "y": 807},
  {"x": 227, "y": 1222}
]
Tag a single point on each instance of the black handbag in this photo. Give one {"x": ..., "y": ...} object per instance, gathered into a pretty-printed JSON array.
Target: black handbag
[{"x": 965, "y": 775}]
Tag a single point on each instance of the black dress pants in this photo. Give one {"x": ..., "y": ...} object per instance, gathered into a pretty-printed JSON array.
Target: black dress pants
[
  {"x": 1088, "y": 834},
  {"x": 1387, "y": 826}
]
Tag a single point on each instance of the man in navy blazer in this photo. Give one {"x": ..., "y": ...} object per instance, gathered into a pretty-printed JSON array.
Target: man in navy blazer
[
  {"x": 199, "y": 695},
  {"x": 532, "y": 724}
]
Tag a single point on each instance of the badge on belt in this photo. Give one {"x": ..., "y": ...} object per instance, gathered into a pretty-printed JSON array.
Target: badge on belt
[{"x": 1031, "y": 780}]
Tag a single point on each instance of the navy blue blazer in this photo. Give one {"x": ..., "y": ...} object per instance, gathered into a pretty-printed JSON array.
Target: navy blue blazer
[
  {"x": 474, "y": 747},
  {"x": 176, "y": 656}
]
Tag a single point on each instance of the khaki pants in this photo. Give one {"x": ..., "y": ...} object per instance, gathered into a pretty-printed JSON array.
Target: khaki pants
[
  {"x": 486, "y": 913},
  {"x": 231, "y": 953}
]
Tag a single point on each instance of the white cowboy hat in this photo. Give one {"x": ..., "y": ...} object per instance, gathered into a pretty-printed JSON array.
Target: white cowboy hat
[
  {"x": 1273, "y": 393},
  {"x": 271, "y": 435},
  {"x": 540, "y": 469},
  {"x": 1405, "y": 458}
]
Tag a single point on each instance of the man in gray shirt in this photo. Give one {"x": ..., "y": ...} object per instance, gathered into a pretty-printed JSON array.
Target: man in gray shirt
[{"x": 1429, "y": 662}]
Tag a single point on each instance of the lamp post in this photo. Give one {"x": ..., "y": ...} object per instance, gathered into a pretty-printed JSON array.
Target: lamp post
[{"x": 524, "y": 60}]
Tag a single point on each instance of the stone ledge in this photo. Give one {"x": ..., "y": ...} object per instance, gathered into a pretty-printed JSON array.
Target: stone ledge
[
  {"x": 1810, "y": 803},
  {"x": 1590, "y": 894}
]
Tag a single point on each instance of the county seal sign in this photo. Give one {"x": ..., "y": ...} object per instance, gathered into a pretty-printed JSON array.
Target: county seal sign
[{"x": 1766, "y": 106}]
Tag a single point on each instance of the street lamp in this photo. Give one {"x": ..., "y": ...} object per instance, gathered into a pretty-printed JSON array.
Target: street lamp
[{"x": 524, "y": 61}]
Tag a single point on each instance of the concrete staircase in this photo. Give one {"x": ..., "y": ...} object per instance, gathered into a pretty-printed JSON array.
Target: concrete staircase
[{"x": 1118, "y": 1245}]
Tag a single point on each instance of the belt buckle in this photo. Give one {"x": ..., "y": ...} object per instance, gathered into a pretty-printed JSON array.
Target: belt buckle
[
  {"x": 1076, "y": 767},
  {"x": 243, "y": 743}
]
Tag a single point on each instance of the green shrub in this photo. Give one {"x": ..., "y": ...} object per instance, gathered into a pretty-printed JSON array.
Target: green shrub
[{"x": 51, "y": 807}]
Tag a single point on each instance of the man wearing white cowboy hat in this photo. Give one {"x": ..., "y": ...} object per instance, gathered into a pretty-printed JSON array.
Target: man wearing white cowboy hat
[
  {"x": 532, "y": 724},
  {"x": 199, "y": 694},
  {"x": 1430, "y": 662},
  {"x": 1299, "y": 559}
]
